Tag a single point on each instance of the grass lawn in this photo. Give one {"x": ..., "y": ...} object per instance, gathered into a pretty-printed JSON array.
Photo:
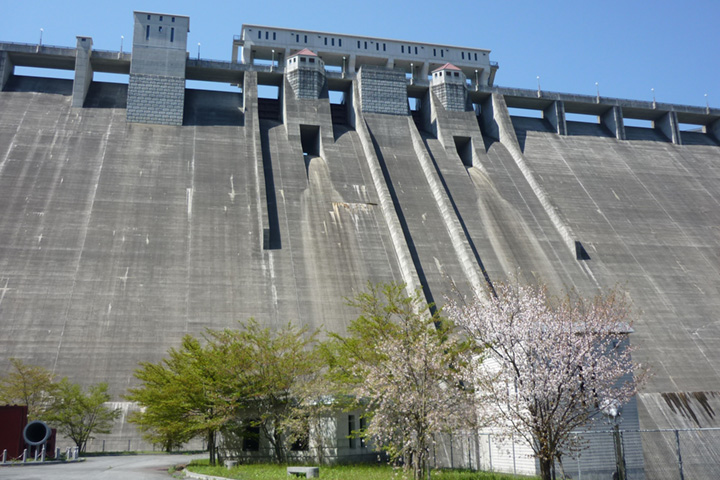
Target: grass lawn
[{"x": 338, "y": 472}]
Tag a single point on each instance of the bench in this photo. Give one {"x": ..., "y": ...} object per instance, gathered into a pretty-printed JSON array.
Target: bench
[{"x": 309, "y": 472}]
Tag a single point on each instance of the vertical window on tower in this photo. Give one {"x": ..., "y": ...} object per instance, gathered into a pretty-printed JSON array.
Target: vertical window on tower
[
  {"x": 147, "y": 31},
  {"x": 325, "y": 40},
  {"x": 476, "y": 57},
  {"x": 172, "y": 19},
  {"x": 149, "y": 16},
  {"x": 267, "y": 35},
  {"x": 305, "y": 38},
  {"x": 434, "y": 52},
  {"x": 274, "y": 35},
  {"x": 415, "y": 50},
  {"x": 462, "y": 54},
  {"x": 172, "y": 35},
  {"x": 161, "y": 18},
  {"x": 339, "y": 42},
  {"x": 358, "y": 43},
  {"x": 259, "y": 35},
  {"x": 402, "y": 48},
  {"x": 297, "y": 38},
  {"x": 365, "y": 45},
  {"x": 442, "y": 52},
  {"x": 384, "y": 47},
  {"x": 377, "y": 46}
]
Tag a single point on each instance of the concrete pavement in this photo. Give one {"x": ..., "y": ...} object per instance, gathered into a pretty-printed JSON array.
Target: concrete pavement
[{"x": 123, "y": 467}]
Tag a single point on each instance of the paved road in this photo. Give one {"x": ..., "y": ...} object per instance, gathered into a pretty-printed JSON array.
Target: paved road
[{"x": 135, "y": 467}]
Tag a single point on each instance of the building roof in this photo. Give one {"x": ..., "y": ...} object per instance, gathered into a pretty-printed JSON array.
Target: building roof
[
  {"x": 304, "y": 51},
  {"x": 447, "y": 66}
]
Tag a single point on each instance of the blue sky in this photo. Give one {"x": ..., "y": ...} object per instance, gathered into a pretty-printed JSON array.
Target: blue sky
[{"x": 628, "y": 47}]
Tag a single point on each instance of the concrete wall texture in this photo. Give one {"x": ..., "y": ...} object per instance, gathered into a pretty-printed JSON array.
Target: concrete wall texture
[{"x": 118, "y": 238}]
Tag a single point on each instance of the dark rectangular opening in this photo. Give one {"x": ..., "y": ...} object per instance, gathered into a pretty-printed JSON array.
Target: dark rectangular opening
[
  {"x": 351, "y": 429},
  {"x": 251, "y": 439},
  {"x": 362, "y": 432},
  {"x": 310, "y": 139},
  {"x": 463, "y": 145},
  {"x": 269, "y": 102},
  {"x": 302, "y": 440},
  {"x": 301, "y": 444},
  {"x": 340, "y": 103}
]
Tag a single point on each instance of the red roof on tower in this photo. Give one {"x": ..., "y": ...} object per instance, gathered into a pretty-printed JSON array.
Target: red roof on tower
[
  {"x": 447, "y": 66},
  {"x": 304, "y": 51}
]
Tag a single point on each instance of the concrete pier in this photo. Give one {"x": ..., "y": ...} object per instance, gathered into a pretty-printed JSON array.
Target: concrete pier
[
  {"x": 555, "y": 114},
  {"x": 83, "y": 71},
  {"x": 613, "y": 121}
]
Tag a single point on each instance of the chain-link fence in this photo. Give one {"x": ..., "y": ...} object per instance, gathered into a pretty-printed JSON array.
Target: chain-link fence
[{"x": 635, "y": 454}]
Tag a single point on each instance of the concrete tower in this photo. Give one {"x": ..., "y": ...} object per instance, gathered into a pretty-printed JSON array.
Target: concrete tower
[
  {"x": 306, "y": 74},
  {"x": 448, "y": 84},
  {"x": 156, "y": 90}
]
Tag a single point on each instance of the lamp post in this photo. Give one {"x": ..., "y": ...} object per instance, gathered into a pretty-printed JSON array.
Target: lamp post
[
  {"x": 612, "y": 410},
  {"x": 343, "y": 67},
  {"x": 653, "y": 94},
  {"x": 707, "y": 105},
  {"x": 412, "y": 73},
  {"x": 198, "y": 50},
  {"x": 272, "y": 60},
  {"x": 122, "y": 37},
  {"x": 538, "y": 80},
  {"x": 41, "y": 34},
  {"x": 597, "y": 89}
]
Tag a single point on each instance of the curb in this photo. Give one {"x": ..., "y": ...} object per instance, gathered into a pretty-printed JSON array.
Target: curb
[{"x": 201, "y": 476}]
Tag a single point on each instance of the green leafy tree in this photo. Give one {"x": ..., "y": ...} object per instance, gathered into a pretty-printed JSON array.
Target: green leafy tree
[
  {"x": 405, "y": 366},
  {"x": 279, "y": 366},
  {"x": 192, "y": 393},
  {"x": 28, "y": 385},
  {"x": 247, "y": 376},
  {"x": 78, "y": 414}
]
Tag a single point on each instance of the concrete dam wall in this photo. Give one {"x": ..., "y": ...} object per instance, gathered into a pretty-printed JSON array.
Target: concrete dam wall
[{"x": 118, "y": 237}]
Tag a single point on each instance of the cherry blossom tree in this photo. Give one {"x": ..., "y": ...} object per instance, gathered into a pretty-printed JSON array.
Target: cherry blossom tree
[
  {"x": 404, "y": 365},
  {"x": 549, "y": 365}
]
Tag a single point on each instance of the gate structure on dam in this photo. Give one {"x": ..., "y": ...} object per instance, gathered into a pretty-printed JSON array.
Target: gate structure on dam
[{"x": 132, "y": 214}]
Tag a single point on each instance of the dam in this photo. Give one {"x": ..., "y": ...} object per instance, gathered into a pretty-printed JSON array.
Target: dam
[{"x": 133, "y": 214}]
